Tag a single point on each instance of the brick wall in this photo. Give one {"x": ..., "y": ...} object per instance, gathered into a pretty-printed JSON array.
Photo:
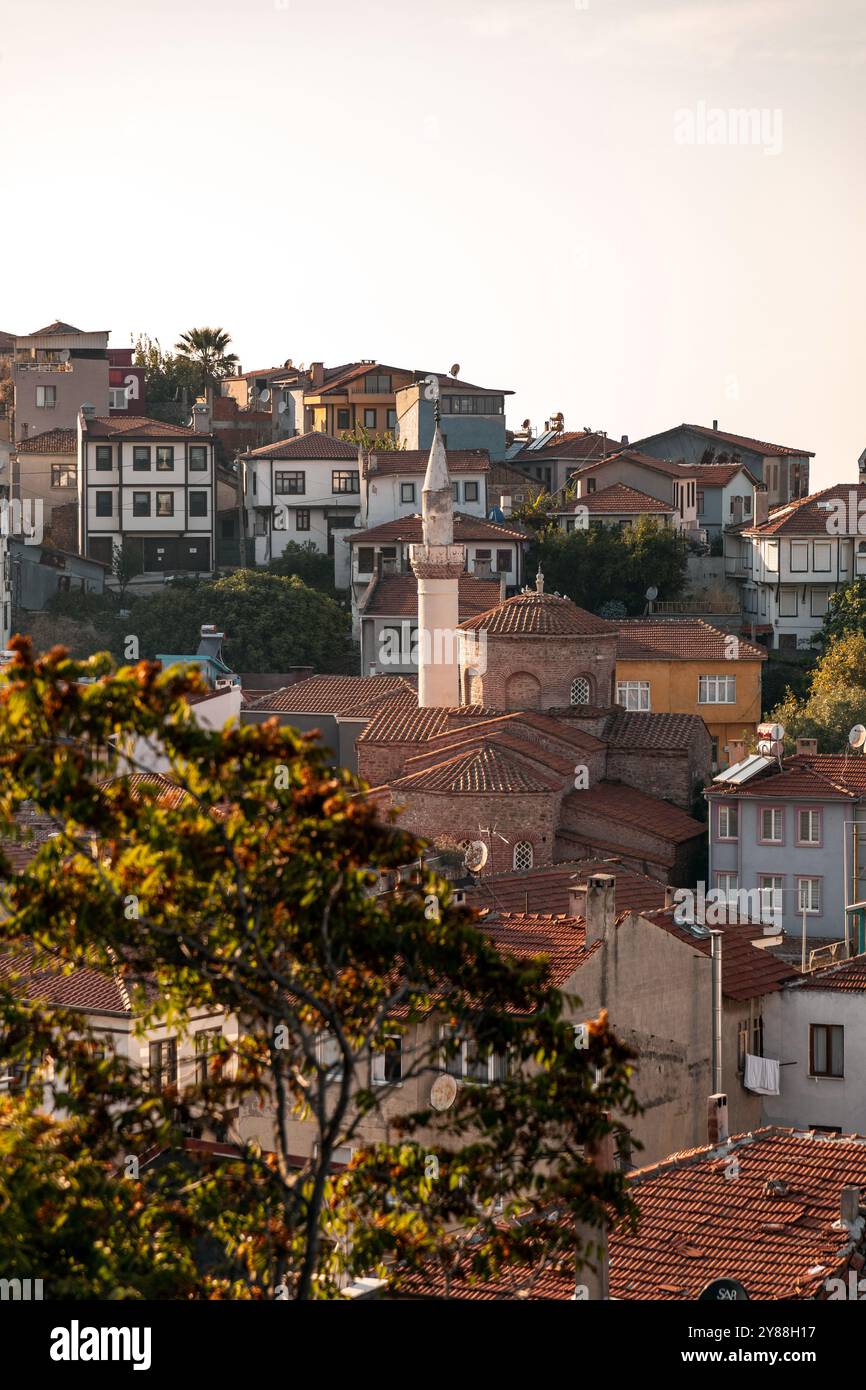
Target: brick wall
[
  {"x": 537, "y": 672},
  {"x": 517, "y": 816}
]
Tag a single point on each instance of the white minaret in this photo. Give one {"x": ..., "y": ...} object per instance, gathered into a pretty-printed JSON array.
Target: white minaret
[{"x": 438, "y": 565}]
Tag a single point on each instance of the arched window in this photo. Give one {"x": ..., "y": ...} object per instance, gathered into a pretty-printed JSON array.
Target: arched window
[
  {"x": 581, "y": 692},
  {"x": 522, "y": 855}
]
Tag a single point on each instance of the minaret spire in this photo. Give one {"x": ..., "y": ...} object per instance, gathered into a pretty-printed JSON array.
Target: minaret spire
[{"x": 438, "y": 564}]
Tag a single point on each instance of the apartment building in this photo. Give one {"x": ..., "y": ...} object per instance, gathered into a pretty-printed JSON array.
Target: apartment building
[
  {"x": 391, "y": 483},
  {"x": 149, "y": 487},
  {"x": 790, "y": 560},
  {"x": 668, "y": 482},
  {"x": 55, "y": 371},
  {"x": 783, "y": 469},
  {"x": 471, "y": 417}
]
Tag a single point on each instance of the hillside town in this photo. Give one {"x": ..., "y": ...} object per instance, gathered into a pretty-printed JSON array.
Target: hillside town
[{"x": 589, "y": 676}]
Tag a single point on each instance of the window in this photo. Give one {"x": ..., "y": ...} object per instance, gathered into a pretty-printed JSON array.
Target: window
[
  {"x": 455, "y": 491},
  {"x": 104, "y": 505},
  {"x": 473, "y": 405},
  {"x": 729, "y": 884},
  {"x": 467, "y": 1063},
  {"x": 117, "y": 398},
  {"x": 343, "y": 418},
  {"x": 164, "y": 458},
  {"x": 799, "y": 557},
  {"x": 63, "y": 475},
  {"x": 302, "y": 519},
  {"x": 46, "y": 397},
  {"x": 503, "y": 562},
  {"x": 809, "y": 896},
  {"x": 470, "y": 492},
  {"x": 103, "y": 458},
  {"x": 717, "y": 690},
  {"x": 377, "y": 384},
  {"x": 772, "y": 825},
  {"x": 329, "y": 1056},
  {"x": 581, "y": 691},
  {"x": 822, "y": 556},
  {"x": 163, "y": 1064},
  {"x": 788, "y": 603},
  {"x": 294, "y": 483},
  {"x": 366, "y": 559},
  {"x": 392, "y": 419},
  {"x": 261, "y": 519},
  {"x": 523, "y": 855},
  {"x": 771, "y": 888},
  {"x": 345, "y": 480},
  {"x": 633, "y": 695},
  {"x": 207, "y": 1043},
  {"x": 407, "y": 492},
  {"x": 750, "y": 1039},
  {"x": 141, "y": 504},
  {"x": 198, "y": 506},
  {"x": 590, "y": 484},
  {"x": 165, "y": 504},
  {"x": 388, "y": 1065},
  {"x": 817, "y": 602},
  {"x": 197, "y": 458},
  {"x": 141, "y": 458},
  {"x": 809, "y": 828},
  {"x": 369, "y": 419},
  {"x": 826, "y": 1049},
  {"x": 729, "y": 822}
]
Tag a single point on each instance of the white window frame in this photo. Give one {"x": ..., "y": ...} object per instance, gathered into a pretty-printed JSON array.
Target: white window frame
[
  {"x": 813, "y": 905},
  {"x": 634, "y": 696},
  {"x": 773, "y": 811},
  {"x": 724, "y": 823},
  {"x": 326, "y": 1046},
  {"x": 458, "y": 1064},
  {"x": 49, "y": 397},
  {"x": 717, "y": 690},
  {"x": 525, "y": 847},
  {"x": 815, "y": 818},
  {"x": 378, "y": 1062}
]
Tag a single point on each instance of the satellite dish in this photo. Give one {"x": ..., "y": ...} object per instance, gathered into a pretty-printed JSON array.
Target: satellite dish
[
  {"x": 443, "y": 1092},
  {"x": 526, "y": 424},
  {"x": 857, "y": 736},
  {"x": 651, "y": 594},
  {"x": 288, "y": 362},
  {"x": 476, "y": 855},
  {"x": 265, "y": 395},
  {"x": 455, "y": 369}
]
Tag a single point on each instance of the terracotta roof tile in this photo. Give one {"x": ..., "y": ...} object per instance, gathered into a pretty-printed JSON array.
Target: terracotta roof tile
[
  {"x": 825, "y": 777},
  {"x": 539, "y": 615},
  {"x": 546, "y": 889},
  {"x": 617, "y": 497},
  {"x": 748, "y": 971},
  {"x": 807, "y": 517},
  {"x": 628, "y": 806},
  {"x": 80, "y": 988},
  {"x": 482, "y": 770},
  {"x": 716, "y": 474},
  {"x": 679, "y": 639},
  {"x": 312, "y": 445},
  {"x": 847, "y": 977},
  {"x": 570, "y": 444},
  {"x": 347, "y": 695},
  {"x": 758, "y": 446},
  {"x": 139, "y": 427},
  {"x": 394, "y": 461},
  {"x": 466, "y": 528},
  {"x": 626, "y": 730},
  {"x": 528, "y": 934},
  {"x": 49, "y": 442}
]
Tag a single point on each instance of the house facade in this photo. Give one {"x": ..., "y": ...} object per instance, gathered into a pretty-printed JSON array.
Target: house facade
[
  {"x": 782, "y": 469},
  {"x": 557, "y": 454},
  {"x": 391, "y": 483},
  {"x": 471, "y": 417},
  {"x": 306, "y": 490},
  {"x": 55, "y": 371},
  {"x": 149, "y": 487},
  {"x": 45, "y": 469},
  {"x": 652, "y": 477},
  {"x": 614, "y": 505}
]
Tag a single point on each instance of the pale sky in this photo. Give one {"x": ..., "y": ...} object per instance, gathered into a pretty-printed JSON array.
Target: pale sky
[{"x": 491, "y": 182}]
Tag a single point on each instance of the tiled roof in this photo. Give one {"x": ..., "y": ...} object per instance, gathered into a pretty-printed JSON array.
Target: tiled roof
[
  {"x": 466, "y": 528},
  {"x": 539, "y": 615},
  {"x": 49, "y": 442},
  {"x": 628, "y": 806},
  {"x": 848, "y": 977},
  {"x": 715, "y": 474},
  {"x": 81, "y": 988},
  {"x": 672, "y": 470},
  {"x": 162, "y": 790},
  {"x": 678, "y": 639},
  {"x": 396, "y": 595},
  {"x": 747, "y": 970},
  {"x": 335, "y": 695},
  {"x": 775, "y": 1227},
  {"x": 138, "y": 427},
  {"x": 617, "y": 497},
  {"x": 486, "y": 769},
  {"x": 806, "y": 516},
  {"x": 570, "y": 444},
  {"x": 312, "y": 445},
  {"x": 632, "y": 731},
  {"x": 546, "y": 889},
  {"x": 57, "y": 327},
  {"x": 826, "y": 777},
  {"x": 758, "y": 446},
  {"x": 527, "y": 934},
  {"x": 415, "y": 461}
]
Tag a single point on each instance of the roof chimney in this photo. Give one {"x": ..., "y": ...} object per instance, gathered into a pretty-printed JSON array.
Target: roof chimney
[
  {"x": 317, "y": 373},
  {"x": 807, "y": 747},
  {"x": 505, "y": 505},
  {"x": 201, "y": 417},
  {"x": 669, "y": 896},
  {"x": 600, "y": 906},
  {"x": 736, "y": 750},
  {"x": 577, "y": 900},
  {"x": 762, "y": 503},
  {"x": 715, "y": 424},
  {"x": 88, "y": 410},
  {"x": 717, "y": 1118},
  {"x": 623, "y": 439}
]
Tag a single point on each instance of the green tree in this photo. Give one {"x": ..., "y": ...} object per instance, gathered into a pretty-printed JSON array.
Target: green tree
[
  {"x": 835, "y": 698},
  {"x": 125, "y": 565},
  {"x": 846, "y": 611},
  {"x": 380, "y": 443},
  {"x": 255, "y": 895},
  {"x": 206, "y": 348},
  {"x": 311, "y": 565},
  {"x": 602, "y": 564},
  {"x": 168, "y": 380}
]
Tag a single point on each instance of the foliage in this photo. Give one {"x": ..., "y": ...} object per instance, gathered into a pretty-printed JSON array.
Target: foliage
[
  {"x": 835, "y": 699},
  {"x": 205, "y": 349},
  {"x": 603, "y": 563},
  {"x": 126, "y": 563},
  {"x": 379, "y": 443},
  {"x": 254, "y": 897},
  {"x": 846, "y": 611},
  {"x": 168, "y": 379},
  {"x": 612, "y": 610},
  {"x": 311, "y": 565}
]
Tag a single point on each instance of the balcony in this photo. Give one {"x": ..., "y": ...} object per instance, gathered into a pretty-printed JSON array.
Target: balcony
[{"x": 44, "y": 367}]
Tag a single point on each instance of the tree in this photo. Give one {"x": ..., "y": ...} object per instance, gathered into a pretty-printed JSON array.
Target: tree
[
  {"x": 168, "y": 380},
  {"x": 602, "y": 564},
  {"x": 311, "y": 565},
  {"x": 125, "y": 565},
  {"x": 846, "y": 611},
  {"x": 255, "y": 898},
  {"x": 382, "y": 443},
  {"x": 835, "y": 699},
  {"x": 206, "y": 348}
]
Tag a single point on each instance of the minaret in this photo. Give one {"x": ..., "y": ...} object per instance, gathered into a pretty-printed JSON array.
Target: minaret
[{"x": 438, "y": 565}]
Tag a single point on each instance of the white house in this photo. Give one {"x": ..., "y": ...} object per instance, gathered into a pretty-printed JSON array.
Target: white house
[
  {"x": 147, "y": 486},
  {"x": 789, "y": 562},
  {"x": 391, "y": 483},
  {"x": 304, "y": 490}
]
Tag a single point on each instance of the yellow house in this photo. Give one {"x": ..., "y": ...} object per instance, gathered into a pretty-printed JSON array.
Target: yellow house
[
  {"x": 363, "y": 394},
  {"x": 684, "y": 666}
]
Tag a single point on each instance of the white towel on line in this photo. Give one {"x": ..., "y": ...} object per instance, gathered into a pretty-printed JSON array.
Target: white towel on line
[{"x": 761, "y": 1075}]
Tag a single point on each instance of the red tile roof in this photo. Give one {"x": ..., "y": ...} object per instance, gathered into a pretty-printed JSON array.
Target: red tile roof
[
  {"x": 618, "y": 498},
  {"x": 716, "y": 474},
  {"x": 826, "y": 777},
  {"x": 672, "y": 470},
  {"x": 546, "y": 889},
  {"x": 312, "y": 445},
  {"x": 570, "y": 444},
  {"x": 490, "y": 768},
  {"x": 81, "y": 988},
  {"x": 678, "y": 639},
  {"x": 806, "y": 516},
  {"x": 138, "y": 427},
  {"x": 346, "y": 695},
  {"x": 539, "y": 615},
  {"x": 626, "y": 730},
  {"x": 415, "y": 461},
  {"x": 758, "y": 446},
  {"x": 847, "y": 977},
  {"x": 49, "y": 442},
  {"x": 627, "y": 806},
  {"x": 466, "y": 528},
  {"x": 748, "y": 971},
  {"x": 529, "y": 934},
  {"x": 396, "y": 595}
]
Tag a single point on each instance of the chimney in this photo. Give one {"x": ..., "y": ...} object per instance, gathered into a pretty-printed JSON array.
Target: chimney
[
  {"x": 715, "y": 424},
  {"x": 736, "y": 750},
  {"x": 577, "y": 900},
  {"x": 201, "y": 417},
  {"x": 807, "y": 747},
  {"x": 600, "y": 906},
  {"x": 317, "y": 373},
  {"x": 717, "y": 1118},
  {"x": 849, "y": 1205},
  {"x": 623, "y": 439},
  {"x": 669, "y": 896},
  {"x": 761, "y": 506},
  {"x": 88, "y": 411},
  {"x": 505, "y": 505}
]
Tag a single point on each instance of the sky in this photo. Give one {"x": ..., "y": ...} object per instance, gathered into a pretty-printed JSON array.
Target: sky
[{"x": 557, "y": 195}]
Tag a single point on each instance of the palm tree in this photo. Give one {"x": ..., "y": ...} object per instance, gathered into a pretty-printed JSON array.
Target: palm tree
[{"x": 206, "y": 348}]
